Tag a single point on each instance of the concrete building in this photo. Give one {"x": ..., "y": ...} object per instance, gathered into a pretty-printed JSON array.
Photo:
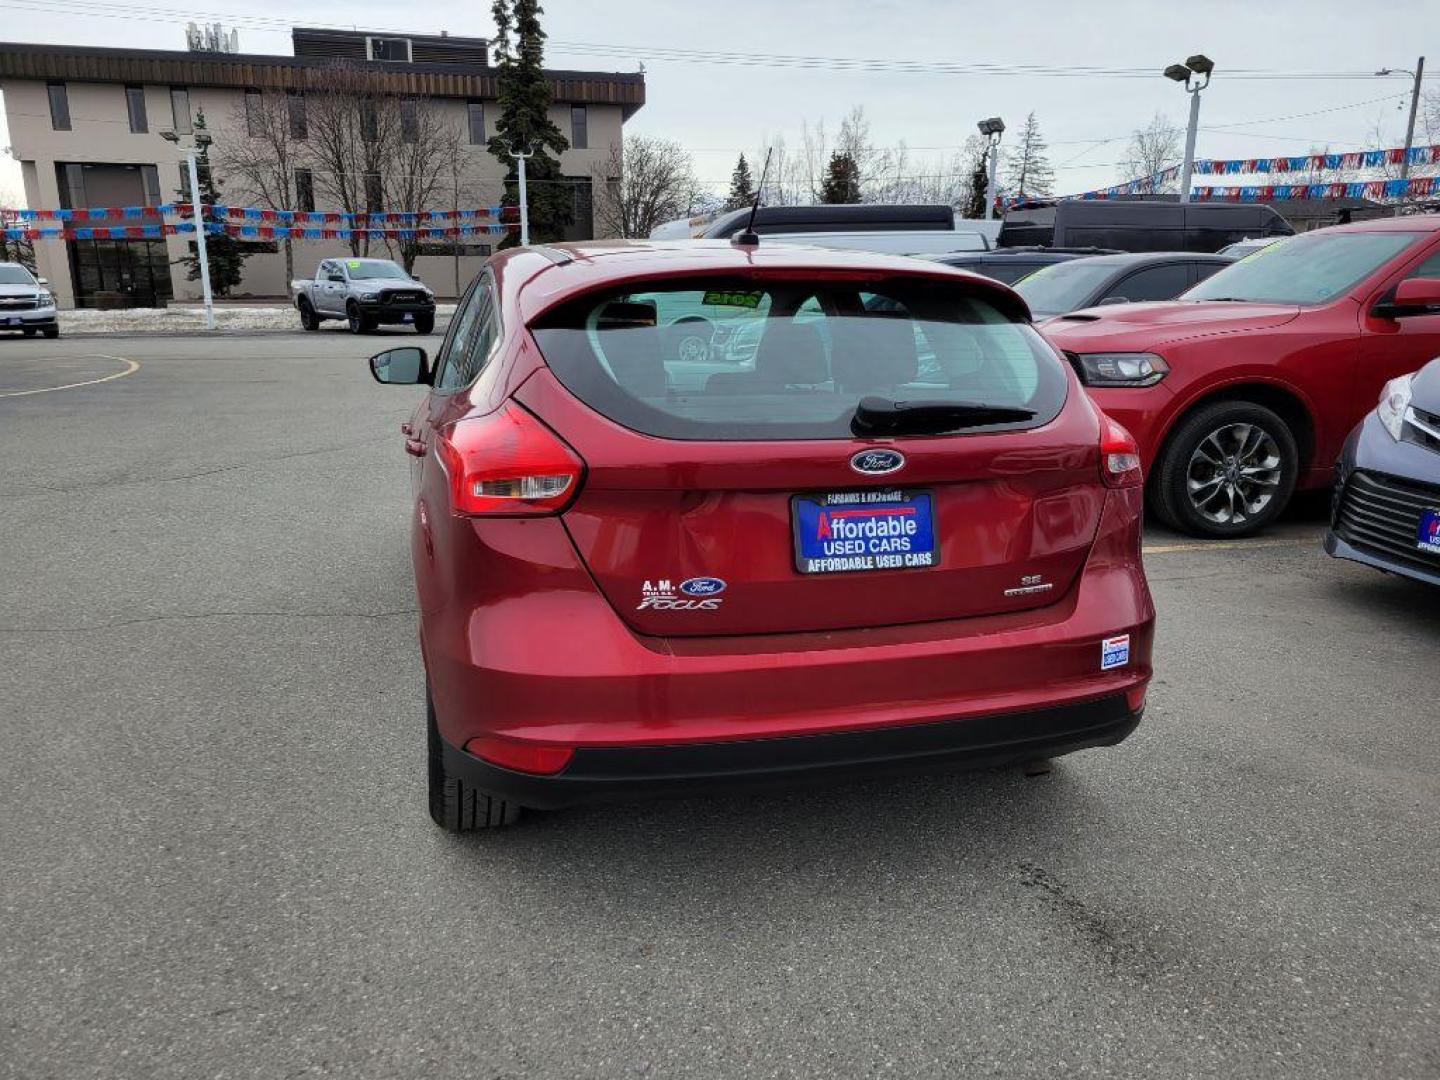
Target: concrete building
[{"x": 85, "y": 125}]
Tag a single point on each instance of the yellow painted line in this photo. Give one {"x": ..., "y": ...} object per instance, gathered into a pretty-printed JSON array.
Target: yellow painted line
[
  {"x": 1227, "y": 545},
  {"x": 134, "y": 366}
]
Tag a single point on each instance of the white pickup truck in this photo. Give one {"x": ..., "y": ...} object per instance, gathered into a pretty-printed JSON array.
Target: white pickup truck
[{"x": 366, "y": 293}]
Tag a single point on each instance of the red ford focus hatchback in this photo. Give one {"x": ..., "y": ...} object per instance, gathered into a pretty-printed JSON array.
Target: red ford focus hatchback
[{"x": 715, "y": 513}]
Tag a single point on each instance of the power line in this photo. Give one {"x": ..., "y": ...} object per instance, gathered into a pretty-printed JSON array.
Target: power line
[{"x": 651, "y": 53}]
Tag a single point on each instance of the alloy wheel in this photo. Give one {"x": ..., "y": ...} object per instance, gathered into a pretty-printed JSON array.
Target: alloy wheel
[{"x": 1234, "y": 473}]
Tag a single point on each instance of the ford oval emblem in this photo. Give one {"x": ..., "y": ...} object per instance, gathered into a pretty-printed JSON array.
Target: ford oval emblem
[
  {"x": 877, "y": 462},
  {"x": 702, "y": 586}
]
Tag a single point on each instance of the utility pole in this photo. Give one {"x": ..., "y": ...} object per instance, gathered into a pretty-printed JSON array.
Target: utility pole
[
  {"x": 1418, "y": 74},
  {"x": 1201, "y": 66},
  {"x": 1410, "y": 126},
  {"x": 520, "y": 160},
  {"x": 199, "y": 218}
]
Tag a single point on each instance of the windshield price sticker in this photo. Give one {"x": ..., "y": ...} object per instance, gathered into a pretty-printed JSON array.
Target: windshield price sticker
[
  {"x": 720, "y": 298},
  {"x": 864, "y": 530}
]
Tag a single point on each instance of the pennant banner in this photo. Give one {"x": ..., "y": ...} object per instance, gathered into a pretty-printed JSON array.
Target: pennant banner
[
  {"x": 1353, "y": 160},
  {"x": 245, "y": 232},
  {"x": 253, "y": 213}
]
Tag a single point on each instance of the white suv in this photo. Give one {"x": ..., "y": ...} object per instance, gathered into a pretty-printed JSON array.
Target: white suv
[{"x": 25, "y": 302}]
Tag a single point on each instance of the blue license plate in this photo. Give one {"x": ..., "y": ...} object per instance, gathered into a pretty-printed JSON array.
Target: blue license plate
[
  {"x": 849, "y": 531},
  {"x": 1428, "y": 538}
]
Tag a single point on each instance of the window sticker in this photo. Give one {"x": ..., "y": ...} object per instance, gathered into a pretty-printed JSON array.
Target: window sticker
[{"x": 721, "y": 298}]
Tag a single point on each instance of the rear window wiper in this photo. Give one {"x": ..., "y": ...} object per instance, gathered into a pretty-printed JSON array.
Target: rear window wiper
[{"x": 881, "y": 416}]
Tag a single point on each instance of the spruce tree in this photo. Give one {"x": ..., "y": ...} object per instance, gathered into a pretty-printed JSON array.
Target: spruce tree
[
  {"x": 224, "y": 253},
  {"x": 974, "y": 207},
  {"x": 841, "y": 183},
  {"x": 525, "y": 123},
  {"x": 1030, "y": 174},
  {"x": 742, "y": 186}
]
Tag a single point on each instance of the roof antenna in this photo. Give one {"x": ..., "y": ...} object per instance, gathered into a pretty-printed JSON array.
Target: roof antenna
[{"x": 748, "y": 237}]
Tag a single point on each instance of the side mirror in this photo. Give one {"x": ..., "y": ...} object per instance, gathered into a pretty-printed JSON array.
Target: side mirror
[
  {"x": 1113, "y": 300},
  {"x": 405, "y": 366},
  {"x": 42, "y": 281},
  {"x": 339, "y": 279},
  {"x": 1413, "y": 296}
]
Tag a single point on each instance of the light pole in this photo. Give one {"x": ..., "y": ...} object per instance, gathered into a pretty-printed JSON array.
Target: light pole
[
  {"x": 191, "y": 153},
  {"x": 520, "y": 160},
  {"x": 1199, "y": 66},
  {"x": 1419, "y": 73},
  {"x": 992, "y": 129}
]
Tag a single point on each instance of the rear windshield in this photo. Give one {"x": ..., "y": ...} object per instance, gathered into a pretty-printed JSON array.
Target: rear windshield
[{"x": 764, "y": 359}]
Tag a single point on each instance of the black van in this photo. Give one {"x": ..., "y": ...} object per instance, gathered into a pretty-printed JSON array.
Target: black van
[
  {"x": 846, "y": 217},
  {"x": 1141, "y": 225}
]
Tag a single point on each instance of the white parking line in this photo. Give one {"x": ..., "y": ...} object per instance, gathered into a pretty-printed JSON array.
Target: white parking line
[{"x": 133, "y": 366}]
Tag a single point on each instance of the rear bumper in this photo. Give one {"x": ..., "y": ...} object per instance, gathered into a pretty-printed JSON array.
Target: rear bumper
[
  {"x": 531, "y": 651},
  {"x": 599, "y": 774}
]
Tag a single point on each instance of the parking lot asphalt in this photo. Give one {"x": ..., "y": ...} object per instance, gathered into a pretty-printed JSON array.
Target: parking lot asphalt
[{"x": 215, "y": 858}]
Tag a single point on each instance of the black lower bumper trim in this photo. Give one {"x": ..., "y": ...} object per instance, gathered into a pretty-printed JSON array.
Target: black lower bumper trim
[{"x": 598, "y": 774}]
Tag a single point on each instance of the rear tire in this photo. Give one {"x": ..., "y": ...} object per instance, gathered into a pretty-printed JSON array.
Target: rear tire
[
  {"x": 308, "y": 319},
  {"x": 424, "y": 324},
  {"x": 456, "y": 806},
  {"x": 29, "y": 331},
  {"x": 1227, "y": 470},
  {"x": 51, "y": 332}
]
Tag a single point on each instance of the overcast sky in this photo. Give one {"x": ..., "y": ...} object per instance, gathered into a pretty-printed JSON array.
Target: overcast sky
[{"x": 717, "y": 109}]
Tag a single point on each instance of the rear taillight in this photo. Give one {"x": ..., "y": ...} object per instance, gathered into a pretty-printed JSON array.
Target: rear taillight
[
  {"x": 507, "y": 463},
  {"x": 1119, "y": 455}
]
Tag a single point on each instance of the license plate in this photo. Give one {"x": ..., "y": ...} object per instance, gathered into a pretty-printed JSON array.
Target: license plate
[
  {"x": 1428, "y": 537},
  {"x": 13, "y": 320},
  {"x": 407, "y": 317},
  {"x": 848, "y": 531}
]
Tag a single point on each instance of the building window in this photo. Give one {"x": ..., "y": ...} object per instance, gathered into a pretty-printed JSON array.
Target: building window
[
  {"x": 304, "y": 190},
  {"x": 299, "y": 122},
  {"x": 59, "y": 106},
  {"x": 579, "y": 136},
  {"x": 135, "y": 106},
  {"x": 476, "y": 110},
  {"x": 393, "y": 49},
  {"x": 150, "y": 181},
  {"x": 71, "y": 181},
  {"x": 180, "y": 110},
  {"x": 254, "y": 113},
  {"x": 409, "y": 121},
  {"x": 374, "y": 193}
]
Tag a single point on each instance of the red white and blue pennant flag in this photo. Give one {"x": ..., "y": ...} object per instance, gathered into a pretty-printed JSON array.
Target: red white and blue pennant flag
[{"x": 1418, "y": 187}]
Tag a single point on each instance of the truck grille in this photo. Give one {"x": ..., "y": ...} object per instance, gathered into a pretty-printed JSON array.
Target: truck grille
[
  {"x": 1381, "y": 514},
  {"x": 402, "y": 298},
  {"x": 18, "y": 303}
]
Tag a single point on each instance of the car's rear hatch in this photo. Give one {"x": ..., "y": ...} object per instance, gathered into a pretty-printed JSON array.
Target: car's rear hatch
[{"x": 725, "y": 497}]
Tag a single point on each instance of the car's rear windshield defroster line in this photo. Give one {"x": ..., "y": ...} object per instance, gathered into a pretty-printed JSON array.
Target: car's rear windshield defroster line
[{"x": 755, "y": 358}]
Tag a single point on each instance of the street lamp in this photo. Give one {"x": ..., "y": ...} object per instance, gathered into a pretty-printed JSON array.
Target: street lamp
[
  {"x": 992, "y": 129},
  {"x": 1194, "y": 75},
  {"x": 1418, "y": 73},
  {"x": 202, "y": 140}
]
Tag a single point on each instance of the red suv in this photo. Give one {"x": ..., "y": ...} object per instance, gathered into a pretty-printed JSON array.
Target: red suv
[
  {"x": 1245, "y": 387},
  {"x": 895, "y": 532}
]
